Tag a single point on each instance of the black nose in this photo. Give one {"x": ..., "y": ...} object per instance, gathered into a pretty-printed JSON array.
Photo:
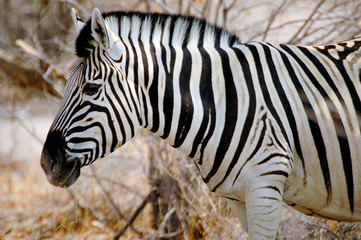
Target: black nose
[
  {"x": 59, "y": 170},
  {"x": 53, "y": 152}
]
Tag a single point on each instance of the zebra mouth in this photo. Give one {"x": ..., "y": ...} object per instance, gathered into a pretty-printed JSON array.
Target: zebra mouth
[
  {"x": 67, "y": 175},
  {"x": 73, "y": 175}
]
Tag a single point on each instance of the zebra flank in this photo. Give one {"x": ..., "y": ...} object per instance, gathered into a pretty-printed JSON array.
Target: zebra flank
[{"x": 263, "y": 122}]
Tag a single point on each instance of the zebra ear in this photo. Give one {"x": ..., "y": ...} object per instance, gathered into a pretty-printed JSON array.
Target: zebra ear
[
  {"x": 105, "y": 37},
  {"x": 78, "y": 23},
  {"x": 99, "y": 29}
]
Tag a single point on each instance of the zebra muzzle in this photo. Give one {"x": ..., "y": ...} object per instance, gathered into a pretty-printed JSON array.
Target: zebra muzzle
[{"x": 59, "y": 170}]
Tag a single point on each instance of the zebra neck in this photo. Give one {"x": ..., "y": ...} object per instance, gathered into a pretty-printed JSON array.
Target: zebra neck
[
  {"x": 181, "y": 94},
  {"x": 175, "y": 66}
]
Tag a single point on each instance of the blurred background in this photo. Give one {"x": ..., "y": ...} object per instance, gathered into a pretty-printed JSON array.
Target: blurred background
[{"x": 144, "y": 190}]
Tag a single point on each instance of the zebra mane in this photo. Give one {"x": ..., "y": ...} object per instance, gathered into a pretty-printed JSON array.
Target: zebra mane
[{"x": 126, "y": 23}]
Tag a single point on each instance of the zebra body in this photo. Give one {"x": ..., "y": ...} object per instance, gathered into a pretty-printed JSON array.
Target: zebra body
[{"x": 264, "y": 122}]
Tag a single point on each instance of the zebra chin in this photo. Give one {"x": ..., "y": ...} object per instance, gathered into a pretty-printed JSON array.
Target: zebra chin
[{"x": 59, "y": 170}]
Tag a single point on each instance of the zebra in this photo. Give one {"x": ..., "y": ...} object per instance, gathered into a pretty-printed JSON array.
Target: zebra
[{"x": 265, "y": 123}]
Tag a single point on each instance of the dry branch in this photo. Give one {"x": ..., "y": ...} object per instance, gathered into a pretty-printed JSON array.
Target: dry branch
[
  {"x": 135, "y": 214},
  {"x": 107, "y": 194},
  {"x": 315, "y": 10},
  {"x": 347, "y": 228},
  {"x": 273, "y": 16},
  {"x": 325, "y": 228},
  {"x": 113, "y": 181},
  {"x": 27, "y": 77}
]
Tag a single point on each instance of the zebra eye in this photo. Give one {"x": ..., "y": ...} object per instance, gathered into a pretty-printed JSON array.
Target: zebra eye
[{"x": 91, "y": 88}]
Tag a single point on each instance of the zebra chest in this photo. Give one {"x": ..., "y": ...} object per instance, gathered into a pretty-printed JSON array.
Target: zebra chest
[{"x": 264, "y": 156}]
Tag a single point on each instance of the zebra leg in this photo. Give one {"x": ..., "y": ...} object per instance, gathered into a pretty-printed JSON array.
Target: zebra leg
[{"x": 263, "y": 204}]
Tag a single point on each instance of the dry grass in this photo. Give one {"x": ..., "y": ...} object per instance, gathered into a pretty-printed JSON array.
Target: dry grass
[{"x": 177, "y": 204}]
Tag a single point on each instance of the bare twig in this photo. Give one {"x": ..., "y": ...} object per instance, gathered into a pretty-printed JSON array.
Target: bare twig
[
  {"x": 198, "y": 10},
  {"x": 187, "y": 12},
  {"x": 168, "y": 235},
  {"x": 84, "y": 205},
  {"x": 323, "y": 227},
  {"x": 107, "y": 194},
  {"x": 111, "y": 180},
  {"x": 135, "y": 214},
  {"x": 164, "y": 6},
  {"x": 205, "y": 9},
  {"x": 2, "y": 235},
  {"x": 348, "y": 228},
  {"x": 218, "y": 11},
  {"x": 291, "y": 22},
  {"x": 26, "y": 77},
  {"x": 21, "y": 122},
  {"x": 306, "y": 22},
  {"x": 163, "y": 223},
  {"x": 273, "y": 17},
  {"x": 225, "y": 12}
]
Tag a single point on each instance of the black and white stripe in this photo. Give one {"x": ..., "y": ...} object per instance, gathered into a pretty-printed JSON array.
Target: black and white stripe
[{"x": 264, "y": 122}]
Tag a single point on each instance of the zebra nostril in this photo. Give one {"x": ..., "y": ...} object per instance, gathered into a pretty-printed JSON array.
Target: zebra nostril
[
  {"x": 54, "y": 165},
  {"x": 53, "y": 152},
  {"x": 49, "y": 163}
]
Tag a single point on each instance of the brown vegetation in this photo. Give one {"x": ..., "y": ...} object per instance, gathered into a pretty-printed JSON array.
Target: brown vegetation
[{"x": 145, "y": 190}]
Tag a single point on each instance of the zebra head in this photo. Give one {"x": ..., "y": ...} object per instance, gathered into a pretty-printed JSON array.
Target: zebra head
[{"x": 92, "y": 121}]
